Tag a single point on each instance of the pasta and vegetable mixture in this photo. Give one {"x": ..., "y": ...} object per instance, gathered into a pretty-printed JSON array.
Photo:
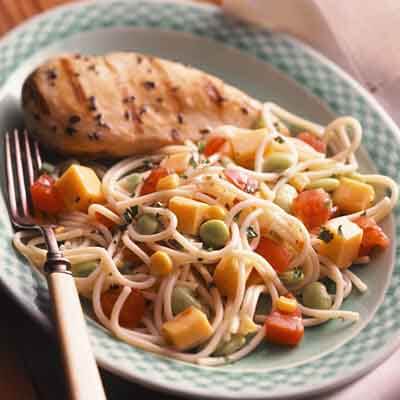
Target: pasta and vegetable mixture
[{"x": 202, "y": 251}]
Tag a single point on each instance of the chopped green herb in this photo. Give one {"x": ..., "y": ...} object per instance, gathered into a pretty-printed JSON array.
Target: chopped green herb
[
  {"x": 325, "y": 235},
  {"x": 47, "y": 168},
  {"x": 237, "y": 216},
  {"x": 129, "y": 214},
  {"x": 330, "y": 285},
  {"x": 292, "y": 277},
  {"x": 192, "y": 162},
  {"x": 279, "y": 139},
  {"x": 148, "y": 163},
  {"x": 201, "y": 145},
  {"x": 251, "y": 233}
]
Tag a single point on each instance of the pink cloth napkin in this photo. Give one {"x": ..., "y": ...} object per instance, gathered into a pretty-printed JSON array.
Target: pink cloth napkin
[{"x": 363, "y": 37}]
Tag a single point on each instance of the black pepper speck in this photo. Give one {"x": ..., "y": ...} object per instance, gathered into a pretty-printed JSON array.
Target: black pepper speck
[
  {"x": 74, "y": 119},
  {"x": 51, "y": 74},
  {"x": 149, "y": 85},
  {"x": 69, "y": 130},
  {"x": 92, "y": 103}
]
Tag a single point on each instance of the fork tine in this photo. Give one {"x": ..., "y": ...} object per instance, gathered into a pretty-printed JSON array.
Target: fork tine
[
  {"x": 10, "y": 176},
  {"x": 38, "y": 158},
  {"x": 28, "y": 155},
  {"x": 20, "y": 173}
]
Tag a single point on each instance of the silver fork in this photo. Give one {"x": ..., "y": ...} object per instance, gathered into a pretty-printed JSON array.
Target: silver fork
[{"x": 22, "y": 167}]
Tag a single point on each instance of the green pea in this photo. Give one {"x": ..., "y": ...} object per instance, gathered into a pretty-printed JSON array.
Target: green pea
[
  {"x": 182, "y": 298},
  {"x": 83, "y": 269},
  {"x": 130, "y": 182},
  {"x": 47, "y": 168},
  {"x": 292, "y": 277},
  {"x": 147, "y": 224},
  {"x": 214, "y": 233},
  {"x": 277, "y": 162},
  {"x": 285, "y": 196},
  {"x": 315, "y": 295},
  {"x": 328, "y": 184},
  {"x": 233, "y": 345}
]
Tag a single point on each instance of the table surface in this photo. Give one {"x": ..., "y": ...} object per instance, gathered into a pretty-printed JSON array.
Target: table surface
[{"x": 30, "y": 365}]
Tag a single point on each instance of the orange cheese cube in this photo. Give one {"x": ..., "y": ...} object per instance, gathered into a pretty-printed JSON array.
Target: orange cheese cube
[{"x": 79, "y": 187}]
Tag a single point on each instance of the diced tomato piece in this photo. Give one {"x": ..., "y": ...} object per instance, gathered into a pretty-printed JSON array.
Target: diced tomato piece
[
  {"x": 104, "y": 220},
  {"x": 373, "y": 236},
  {"x": 45, "y": 196},
  {"x": 132, "y": 310},
  {"x": 242, "y": 180},
  {"x": 213, "y": 145},
  {"x": 284, "y": 329},
  {"x": 150, "y": 183},
  {"x": 275, "y": 253},
  {"x": 313, "y": 141},
  {"x": 312, "y": 207}
]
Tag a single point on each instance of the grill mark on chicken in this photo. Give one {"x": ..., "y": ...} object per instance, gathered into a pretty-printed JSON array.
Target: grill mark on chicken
[
  {"x": 126, "y": 97},
  {"x": 168, "y": 86},
  {"x": 32, "y": 90},
  {"x": 68, "y": 68},
  {"x": 213, "y": 93}
]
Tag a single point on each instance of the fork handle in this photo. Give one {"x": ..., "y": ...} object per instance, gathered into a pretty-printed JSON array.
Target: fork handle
[
  {"x": 79, "y": 364},
  {"x": 80, "y": 367}
]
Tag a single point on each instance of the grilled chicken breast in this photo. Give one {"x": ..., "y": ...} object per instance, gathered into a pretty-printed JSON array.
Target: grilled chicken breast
[{"x": 125, "y": 103}]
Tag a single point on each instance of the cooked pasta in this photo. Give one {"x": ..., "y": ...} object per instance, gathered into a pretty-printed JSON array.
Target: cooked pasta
[{"x": 201, "y": 251}]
